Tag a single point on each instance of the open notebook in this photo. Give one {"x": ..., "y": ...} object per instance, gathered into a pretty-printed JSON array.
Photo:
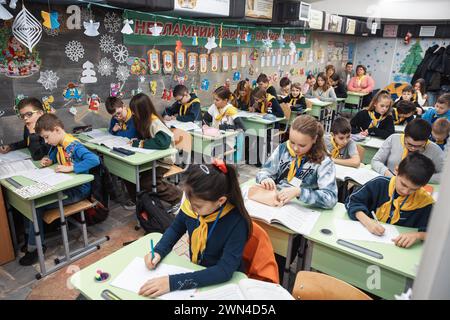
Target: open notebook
[
  {"x": 291, "y": 215},
  {"x": 110, "y": 141},
  {"x": 359, "y": 175},
  {"x": 16, "y": 168},
  {"x": 354, "y": 230},
  {"x": 12, "y": 156},
  {"x": 186, "y": 126},
  {"x": 245, "y": 289}
]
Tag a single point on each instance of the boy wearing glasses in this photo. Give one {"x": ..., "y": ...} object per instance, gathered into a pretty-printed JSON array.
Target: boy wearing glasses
[
  {"x": 29, "y": 110},
  {"x": 186, "y": 107},
  {"x": 122, "y": 123},
  {"x": 397, "y": 147}
]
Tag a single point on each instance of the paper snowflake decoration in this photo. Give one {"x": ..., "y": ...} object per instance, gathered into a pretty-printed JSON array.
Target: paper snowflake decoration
[
  {"x": 142, "y": 78},
  {"x": 48, "y": 79},
  {"x": 105, "y": 67},
  {"x": 27, "y": 29},
  {"x": 74, "y": 50},
  {"x": 112, "y": 22},
  {"x": 120, "y": 53},
  {"x": 107, "y": 43},
  {"x": 122, "y": 73}
]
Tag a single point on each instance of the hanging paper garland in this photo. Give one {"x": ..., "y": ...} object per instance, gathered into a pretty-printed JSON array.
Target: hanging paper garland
[
  {"x": 50, "y": 20},
  {"x": 27, "y": 29}
]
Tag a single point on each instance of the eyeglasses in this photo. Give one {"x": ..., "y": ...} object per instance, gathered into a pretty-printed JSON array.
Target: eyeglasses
[
  {"x": 414, "y": 146},
  {"x": 27, "y": 115}
]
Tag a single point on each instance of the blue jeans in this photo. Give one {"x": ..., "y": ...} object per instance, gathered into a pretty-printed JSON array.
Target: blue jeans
[{"x": 73, "y": 195}]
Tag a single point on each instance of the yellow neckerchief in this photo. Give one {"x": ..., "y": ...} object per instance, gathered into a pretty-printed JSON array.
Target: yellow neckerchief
[
  {"x": 123, "y": 124},
  {"x": 199, "y": 236},
  {"x": 375, "y": 121},
  {"x": 336, "y": 149},
  {"x": 61, "y": 156},
  {"x": 293, "y": 166},
  {"x": 419, "y": 199},
  {"x": 360, "y": 79},
  {"x": 229, "y": 111},
  {"x": 397, "y": 117},
  {"x": 269, "y": 98},
  {"x": 184, "y": 107},
  {"x": 405, "y": 150},
  {"x": 293, "y": 101}
]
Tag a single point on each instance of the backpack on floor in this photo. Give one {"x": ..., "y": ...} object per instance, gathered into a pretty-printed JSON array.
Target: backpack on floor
[{"x": 151, "y": 214}]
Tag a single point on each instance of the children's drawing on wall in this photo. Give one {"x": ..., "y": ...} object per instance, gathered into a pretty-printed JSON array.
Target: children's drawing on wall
[{"x": 410, "y": 62}]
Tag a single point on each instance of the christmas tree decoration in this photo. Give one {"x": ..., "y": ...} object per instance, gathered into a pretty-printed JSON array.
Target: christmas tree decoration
[
  {"x": 281, "y": 40},
  {"x": 74, "y": 20},
  {"x": 120, "y": 53},
  {"x": 179, "y": 45},
  {"x": 153, "y": 61},
  {"x": 27, "y": 29},
  {"x": 50, "y": 20},
  {"x": 127, "y": 28},
  {"x": 211, "y": 44},
  {"x": 47, "y": 103},
  {"x": 122, "y": 73},
  {"x": 112, "y": 22},
  {"x": 16, "y": 61},
  {"x": 107, "y": 43},
  {"x": 71, "y": 93},
  {"x": 91, "y": 28},
  {"x": 195, "y": 40},
  {"x": 138, "y": 66},
  {"x": 88, "y": 74},
  {"x": 105, "y": 67},
  {"x": 412, "y": 60},
  {"x": 48, "y": 79},
  {"x": 94, "y": 102},
  {"x": 74, "y": 50},
  {"x": 156, "y": 30},
  {"x": 4, "y": 14}
]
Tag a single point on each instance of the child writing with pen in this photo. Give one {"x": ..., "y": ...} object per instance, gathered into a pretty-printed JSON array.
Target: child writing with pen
[
  {"x": 186, "y": 108},
  {"x": 400, "y": 200},
  {"x": 301, "y": 166},
  {"x": 122, "y": 121},
  {"x": 218, "y": 226}
]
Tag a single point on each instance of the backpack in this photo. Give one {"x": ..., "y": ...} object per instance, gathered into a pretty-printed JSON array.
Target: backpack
[{"x": 151, "y": 214}]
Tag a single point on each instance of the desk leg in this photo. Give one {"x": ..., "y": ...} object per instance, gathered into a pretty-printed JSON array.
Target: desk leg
[
  {"x": 308, "y": 256},
  {"x": 287, "y": 265},
  {"x": 37, "y": 235},
  {"x": 409, "y": 284},
  {"x": 63, "y": 226},
  {"x": 12, "y": 227},
  {"x": 154, "y": 176}
]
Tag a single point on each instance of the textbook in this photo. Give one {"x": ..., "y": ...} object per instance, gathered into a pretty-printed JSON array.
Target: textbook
[
  {"x": 245, "y": 289},
  {"x": 186, "y": 126},
  {"x": 16, "y": 168},
  {"x": 373, "y": 143},
  {"x": 358, "y": 175},
  {"x": 110, "y": 141},
  {"x": 291, "y": 215}
]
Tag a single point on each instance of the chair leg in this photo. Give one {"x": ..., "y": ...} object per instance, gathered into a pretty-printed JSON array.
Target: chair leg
[
  {"x": 177, "y": 179},
  {"x": 84, "y": 228}
]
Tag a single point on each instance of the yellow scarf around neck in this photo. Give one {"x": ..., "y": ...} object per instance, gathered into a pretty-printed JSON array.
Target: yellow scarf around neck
[
  {"x": 200, "y": 234},
  {"x": 298, "y": 159},
  {"x": 419, "y": 199},
  {"x": 375, "y": 121},
  {"x": 336, "y": 149},
  {"x": 268, "y": 100},
  {"x": 229, "y": 111},
  {"x": 293, "y": 101},
  {"x": 123, "y": 124},
  {"x": 405, "y": 150},
  {"x": 184, "y": 107},
  {"x": 61, "y": 156}
]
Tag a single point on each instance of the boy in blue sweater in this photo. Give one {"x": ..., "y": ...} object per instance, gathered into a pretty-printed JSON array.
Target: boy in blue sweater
[
  {"x": 122, "y": 122},
  {"x": 441, "y": 109},
  {"x": 186, "y": 107},
  {"x": 399, "y": 200},
  {"x": 70, "y": 156}
]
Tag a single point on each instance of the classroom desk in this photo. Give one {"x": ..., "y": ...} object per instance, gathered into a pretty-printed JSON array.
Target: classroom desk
[
  {"x": 397, "y": 269},
  {"x": 114, "y": 264},
  {"x": 207, "y": 145},
  {"x": 370, "y": 151},
  {"x": 355, "y": 98},
  {"x": 322, "y": 110},
  {"x": 27, "y": 207}
]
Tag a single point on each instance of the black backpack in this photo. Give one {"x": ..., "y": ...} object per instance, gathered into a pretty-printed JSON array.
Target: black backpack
[{"x": 151, "y": 214}]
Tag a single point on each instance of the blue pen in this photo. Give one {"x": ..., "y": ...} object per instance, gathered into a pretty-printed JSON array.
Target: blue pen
[{"x": 153, "y": 250}]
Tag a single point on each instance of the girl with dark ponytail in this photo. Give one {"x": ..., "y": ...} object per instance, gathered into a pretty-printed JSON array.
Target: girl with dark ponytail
[{"x": 218, "y": 226}]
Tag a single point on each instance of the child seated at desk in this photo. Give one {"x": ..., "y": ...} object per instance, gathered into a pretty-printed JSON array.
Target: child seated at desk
[
  {"x": 339, "y": 144},
  {"x": 265, "y": 103},
  {"x": 29, "y": 110},
  {"x": 301, "y": 166},
  {"x": 399, "y": 145},
  {"x": 441, "y": 109},
  {"x": 264, "y": 83},
  {"x": 122, "y": 122},
  {"x": 322, "y": 90},
  {"x": 71, "y": 156},
  {"x": 408, "y": 95},
  {"x": 218, "y": 225},
  {"x": 295, "y": 99},
  {"x": 155, "y": 135},
  {"x": 399, "y": 200},
  {"x": 440, "y": 131},
  {"x": 376, "y": 120},
  {"x": 243, "y": 96},
  {"x": 186, "y": 107},
  {"x": 403, "y": 112},
  {"x": 285, "y": 88}
]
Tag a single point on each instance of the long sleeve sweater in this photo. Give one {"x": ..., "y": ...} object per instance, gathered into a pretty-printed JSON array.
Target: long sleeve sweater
[
  {"x": 35, "y": 144},
  {"x": 362, "y": 121}
]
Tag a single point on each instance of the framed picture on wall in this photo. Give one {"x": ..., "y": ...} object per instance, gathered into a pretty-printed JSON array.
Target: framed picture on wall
[
  {"x": 214, "y": 62},
  {"x": 234, "y": 60},
  {"x": 390, "y": 31},
  {"x": 244, "y": 58},
  {"x": 304, "y": 11},
  {"x": 181, "y": 59},
  {"x": 167, "y": 57},
  {"x": 203, "y": 63},
  {"x": 225, "y": 62},
  {"x": 192, "y": 61},
  {"x": 316, "y": 19},
  {"x": 333, "y": 23},
  {"x": 350, "y": 26},
  {"x": 154, "y": 65}
]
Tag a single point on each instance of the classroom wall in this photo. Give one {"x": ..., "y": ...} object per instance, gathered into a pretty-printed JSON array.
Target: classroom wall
[
  {"x": 384, "y": 57},
  {"x": 325, "y": 49}
]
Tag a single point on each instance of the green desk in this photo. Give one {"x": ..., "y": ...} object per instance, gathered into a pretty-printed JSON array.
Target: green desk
[
  {"x": 324, "y": 111},
  {"x": 355, "y": 98},
  {"x": 396, "y": 270},
  {"x": 27, "y": 207},
  {"x": 370, "y": 151},
  {"x": 117, "y": 261},
  {"x": 207, "y": 145}
]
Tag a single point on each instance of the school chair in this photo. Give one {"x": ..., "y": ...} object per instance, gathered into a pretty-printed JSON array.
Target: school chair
[
  {"x": 287, "y": 114},
  {"x": 69, "y": 210},
  {"x": 318, "y": 286},
  {"x": 258, "y": 257},
  {"x": 183, "y": 143}
]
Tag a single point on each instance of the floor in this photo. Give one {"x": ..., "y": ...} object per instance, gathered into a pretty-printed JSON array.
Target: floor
[{"x": 19, "y": 283}]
